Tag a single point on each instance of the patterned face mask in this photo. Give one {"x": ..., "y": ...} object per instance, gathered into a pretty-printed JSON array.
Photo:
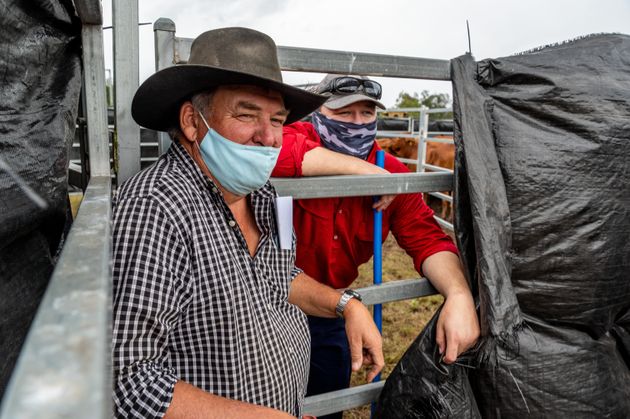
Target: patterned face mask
[{"x": 345, "y": 137}]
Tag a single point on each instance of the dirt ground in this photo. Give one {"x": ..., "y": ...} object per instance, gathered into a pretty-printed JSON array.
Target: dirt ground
[{"x": 402, "y": 320}]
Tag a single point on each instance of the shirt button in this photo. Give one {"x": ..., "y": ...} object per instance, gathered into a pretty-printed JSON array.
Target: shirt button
[
  {"x": 340, "y": 211},
  {"x": 215, "y": 190},
  {"x": 335, "y": 237},
  {"x": 232, "y": 223}
]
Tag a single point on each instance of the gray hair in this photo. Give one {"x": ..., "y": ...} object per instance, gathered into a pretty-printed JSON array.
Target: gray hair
[{"x": 202, "y": 102}]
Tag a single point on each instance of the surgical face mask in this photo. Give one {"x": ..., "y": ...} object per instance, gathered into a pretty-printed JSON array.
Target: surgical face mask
[
  {"x": 239, "y": 168},
  {"x": 345, "y": 137}
]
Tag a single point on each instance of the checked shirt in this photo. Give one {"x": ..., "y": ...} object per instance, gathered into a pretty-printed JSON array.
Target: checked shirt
[{"x": 191, "y": 304}]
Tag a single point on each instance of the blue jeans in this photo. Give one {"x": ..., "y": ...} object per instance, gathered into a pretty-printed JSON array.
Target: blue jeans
[{"x": 330, "y": 358}]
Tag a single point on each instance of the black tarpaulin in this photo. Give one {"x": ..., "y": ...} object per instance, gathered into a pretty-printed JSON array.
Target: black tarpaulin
[
  {"x": 543, "y": 225},
  {"x": 41, "y": 81}
]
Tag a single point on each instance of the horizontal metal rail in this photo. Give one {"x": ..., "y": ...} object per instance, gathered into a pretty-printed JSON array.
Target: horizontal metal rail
[
  {"x": 446, "y": 140},
  {"x": 389, "y": 134},
  {"x": 405, "y": 160},
  {"x": 362, "y": 185},
  {"x": 438, "y": 169},
  {"x": 401, "y": 289},
  {"x": 337, "y": 401},
  {"x": 345, "y": 62},
  {"x": 417, "y": 109},
  {"x": 353, "y": 397},
  {"x": 442, "y": 196},
  {"x": 444, "y": 224},
  {"x": 64, "y": 369}
]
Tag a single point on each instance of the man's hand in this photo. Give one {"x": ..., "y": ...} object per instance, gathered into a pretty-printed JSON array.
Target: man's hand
[
  {"x": 457, "y": 327},
  {"x": 366, "y": 346},
  {"x": 384, "y": 200},
  {"x": 320, "y": 161}
]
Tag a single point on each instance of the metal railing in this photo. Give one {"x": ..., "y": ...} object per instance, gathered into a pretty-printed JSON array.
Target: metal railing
[
  {"x": 336, "y": 186},
  {"x": 64, "y": 368},
  {"x": 424, "y": 136}
]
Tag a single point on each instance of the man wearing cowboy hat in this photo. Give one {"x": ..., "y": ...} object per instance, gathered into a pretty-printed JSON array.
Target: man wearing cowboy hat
[{"x": 208, "y": 306}]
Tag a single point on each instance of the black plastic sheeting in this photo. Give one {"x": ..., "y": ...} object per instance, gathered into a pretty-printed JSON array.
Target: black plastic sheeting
[
  {"x": 41, "y": 81},
  {"x": 543, "y": 226}
]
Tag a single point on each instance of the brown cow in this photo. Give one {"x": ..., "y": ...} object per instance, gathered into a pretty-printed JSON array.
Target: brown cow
[
  {"x": 406, "y": 148},
  {"x": 437, "y": 154}
]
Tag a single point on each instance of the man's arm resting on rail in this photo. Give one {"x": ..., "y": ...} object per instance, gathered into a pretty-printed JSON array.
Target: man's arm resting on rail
[
  {"x": 457, "y": 326},
  {"x": 191, "y": 402},
  {"x": 320, "y": 161},
  {"x": 364, "y": 338}
]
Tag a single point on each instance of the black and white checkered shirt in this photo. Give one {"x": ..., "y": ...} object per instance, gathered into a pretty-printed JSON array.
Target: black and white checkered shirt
[{"x": 191, "y": 304}]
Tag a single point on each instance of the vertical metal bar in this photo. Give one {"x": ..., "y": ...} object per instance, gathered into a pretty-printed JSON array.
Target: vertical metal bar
[
  {"x": 126, "y": 77},
  {"x": 164, "y": 35},
  {"x": 378, "y": 259},
  {"x": 95, "y": 100},
  {"x": 64, "y": 369},
  {"x": 422, "y": 142},
  {"x": 378, "y": 249}
]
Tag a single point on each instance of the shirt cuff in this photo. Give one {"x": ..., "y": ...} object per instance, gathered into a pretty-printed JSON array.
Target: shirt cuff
[
  {"x": 295, "y": 271},
  {"x": 143, "y": 390}
]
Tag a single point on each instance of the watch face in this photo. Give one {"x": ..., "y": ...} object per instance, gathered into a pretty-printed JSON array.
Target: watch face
[{"x": 354, "y": 294}]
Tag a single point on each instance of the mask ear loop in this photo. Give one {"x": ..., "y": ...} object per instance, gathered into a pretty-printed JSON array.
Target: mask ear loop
[
  {"x": 212, "y": 178},
  {"x": 203, "y": 119}
]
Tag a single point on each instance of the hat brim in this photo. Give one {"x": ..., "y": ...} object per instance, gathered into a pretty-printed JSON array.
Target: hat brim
[
  {"x": 157, "y": 101},
  {"x": 339, "y": 101}
]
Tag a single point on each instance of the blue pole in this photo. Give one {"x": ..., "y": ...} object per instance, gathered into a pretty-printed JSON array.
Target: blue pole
[
  {"x": 378, "y": 250},
  {"x": 378, "y": 258}
]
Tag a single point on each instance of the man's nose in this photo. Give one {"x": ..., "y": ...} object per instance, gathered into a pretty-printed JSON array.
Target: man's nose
[
  {"x": 266, "y": 135},
  {"x": 356, "y": 118}
]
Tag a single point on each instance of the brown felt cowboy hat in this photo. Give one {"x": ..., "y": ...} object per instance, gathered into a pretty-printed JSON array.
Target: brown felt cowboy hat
[{"x": 218, "y": 57}]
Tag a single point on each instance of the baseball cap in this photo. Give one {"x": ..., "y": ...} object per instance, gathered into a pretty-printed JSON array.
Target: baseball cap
[{"x": 337, "y": 100}]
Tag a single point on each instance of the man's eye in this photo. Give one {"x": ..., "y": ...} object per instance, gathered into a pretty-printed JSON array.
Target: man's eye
[
  {"x": 277, "y": 122},
  {"x": 245, "y": 116}
]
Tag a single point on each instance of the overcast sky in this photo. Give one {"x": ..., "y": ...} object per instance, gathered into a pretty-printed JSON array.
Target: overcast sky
[{"x": 429, "y": 29}]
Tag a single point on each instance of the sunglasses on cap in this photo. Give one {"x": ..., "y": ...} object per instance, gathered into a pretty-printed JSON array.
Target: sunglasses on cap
[{"x": 351, "y": 85}]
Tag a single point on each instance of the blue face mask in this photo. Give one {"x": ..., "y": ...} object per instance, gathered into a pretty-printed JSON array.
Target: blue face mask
[
  {"x": 239, "y": 168},
  {"x": 345, "y": 137}
]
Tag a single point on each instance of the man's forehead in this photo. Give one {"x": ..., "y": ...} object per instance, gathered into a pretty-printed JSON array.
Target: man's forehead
[{"x": 249, "y": 96}]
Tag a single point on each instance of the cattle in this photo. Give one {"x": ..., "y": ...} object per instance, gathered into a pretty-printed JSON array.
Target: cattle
[
  {"x": 437, "y": 154},
  {"x": 401, "y": 147}
]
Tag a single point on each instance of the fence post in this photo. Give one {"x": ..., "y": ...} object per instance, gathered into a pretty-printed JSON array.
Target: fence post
[
  {"x": 164, "y": 36},
  {"x": 126, "y": 77},
  {"x": 423, "y": 129}
]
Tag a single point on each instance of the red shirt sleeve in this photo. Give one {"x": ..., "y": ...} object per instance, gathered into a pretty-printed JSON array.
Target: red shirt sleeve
[
  {"x": 297, "y": 139},
  {"x": 412, "y": 223}
]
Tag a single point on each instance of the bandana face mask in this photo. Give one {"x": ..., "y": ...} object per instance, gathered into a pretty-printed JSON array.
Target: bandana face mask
[
  {"x": 239, "y": 168},
  {"x": 345, "y": 137}
]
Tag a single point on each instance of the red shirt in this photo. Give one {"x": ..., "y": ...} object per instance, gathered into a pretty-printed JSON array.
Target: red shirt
[{"x": 335, "y": 235}]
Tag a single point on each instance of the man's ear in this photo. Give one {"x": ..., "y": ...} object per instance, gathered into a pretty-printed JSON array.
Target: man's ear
[{"x": 188, "y": 122}]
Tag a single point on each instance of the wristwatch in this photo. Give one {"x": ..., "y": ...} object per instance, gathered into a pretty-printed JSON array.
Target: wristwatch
[{"x": 345, "y": 298}]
